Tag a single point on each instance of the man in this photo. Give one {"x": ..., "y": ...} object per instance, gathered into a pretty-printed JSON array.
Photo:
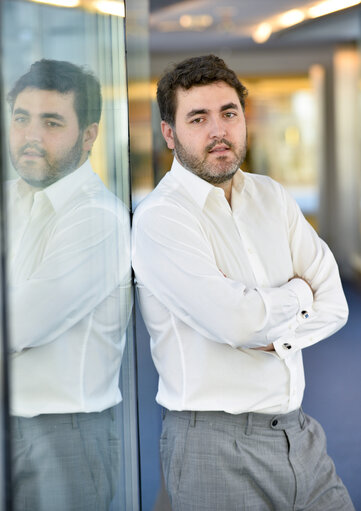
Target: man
[
  {"x": 233, "y": 284},
  {"x": 69, "y": 295}
]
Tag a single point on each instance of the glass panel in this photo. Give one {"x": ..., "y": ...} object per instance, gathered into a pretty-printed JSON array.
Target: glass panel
[
  {"x": 5, "y": 475},
  {"x": 70, "y": 296},
  {"x": 357, "y": 262}
]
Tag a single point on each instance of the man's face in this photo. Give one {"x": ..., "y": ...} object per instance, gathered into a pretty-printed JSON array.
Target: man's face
[
  {"x": 209, "y": 137},
  {"x": 45, "y": 141}
]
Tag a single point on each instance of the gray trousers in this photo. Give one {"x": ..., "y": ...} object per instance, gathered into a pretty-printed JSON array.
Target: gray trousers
[
  {"x": 214, "y": 461},
  {"x": 65, "y": 462}
]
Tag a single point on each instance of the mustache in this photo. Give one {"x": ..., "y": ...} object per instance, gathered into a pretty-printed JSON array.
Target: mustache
[
  {"x": 217, "y": 142},
  {"x": 32, "y": 147}
]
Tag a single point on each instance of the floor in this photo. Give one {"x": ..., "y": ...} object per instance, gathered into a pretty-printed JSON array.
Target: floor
[{"x": 333, "y": 393}]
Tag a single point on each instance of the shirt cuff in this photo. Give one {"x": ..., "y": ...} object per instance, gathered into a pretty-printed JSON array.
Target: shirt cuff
[
  {"x": 285, "y": 347},
  {"x": 303, "y": 292}
]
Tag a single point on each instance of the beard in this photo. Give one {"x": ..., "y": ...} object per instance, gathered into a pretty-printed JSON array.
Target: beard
[
  {"x": 51, "y": 169},
  {"x": 216, "y": 172}
]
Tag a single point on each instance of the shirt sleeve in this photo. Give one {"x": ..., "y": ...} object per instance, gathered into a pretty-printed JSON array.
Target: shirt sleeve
[
  {"x": 173, "y": 260},
  {"x": 85, "y": 260},
  {"x": 313, "y": 260}
]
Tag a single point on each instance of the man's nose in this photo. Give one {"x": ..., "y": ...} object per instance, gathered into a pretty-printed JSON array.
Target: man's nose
[
  {"x": 33, "y": 132},
  {"x": 217, "y": 128}
]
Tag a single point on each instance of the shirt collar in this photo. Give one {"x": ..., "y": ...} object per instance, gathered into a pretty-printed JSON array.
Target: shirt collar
[
  {"x": 22, "y": 188},
  {"x": 59, "y": 192},
  {"x": 198, "y": 188}
]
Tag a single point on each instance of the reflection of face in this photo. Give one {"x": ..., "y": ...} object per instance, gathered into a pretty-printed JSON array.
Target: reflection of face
[
  {"x": 45, "y": 141},
  {"x": 209, "y": 137}
]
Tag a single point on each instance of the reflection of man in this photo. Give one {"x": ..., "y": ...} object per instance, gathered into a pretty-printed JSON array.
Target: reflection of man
[
  {"x": 69, "y": 285},
  {"x": 233, "y": 284}
]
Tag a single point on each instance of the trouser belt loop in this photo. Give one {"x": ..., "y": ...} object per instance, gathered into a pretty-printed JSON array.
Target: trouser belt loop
[
  {"x": 192, "y": 420},
  {"x": 74, "y": 420},
  {"x": 249, "y": 424}
]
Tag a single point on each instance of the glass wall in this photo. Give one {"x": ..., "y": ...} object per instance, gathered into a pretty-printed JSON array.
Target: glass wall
[
  {"x": 67, "y": 192},
  {"x": 357, "y": 261}
]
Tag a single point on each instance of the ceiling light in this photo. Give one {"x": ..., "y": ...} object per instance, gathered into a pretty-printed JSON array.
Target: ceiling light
[
  {"x": 295, "y": 16},
  {"x": 195, "y": 22},
  {"x": 291, "y": 17},
  {"x": 205, "y": 20},
  {"x": 262, "y": 33},
  {"x": 113, "y": 7},
  {"x": 329, "y": 6},
  {"x": 185, "y": 21}
]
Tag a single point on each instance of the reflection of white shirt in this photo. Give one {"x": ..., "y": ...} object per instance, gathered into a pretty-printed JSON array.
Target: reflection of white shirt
[
  {"x": 69, "y": 294},
  {"x": 213, "y": 283}
]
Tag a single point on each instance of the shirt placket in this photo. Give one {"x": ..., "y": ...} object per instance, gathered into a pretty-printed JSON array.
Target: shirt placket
[
  {"x": 225, "y": 213},
  {"x": 19, "y": 223},
  {"x": 263, "y": 281},
  {"x": 27, "y": 249},
  {"x": 253, "y": 258}
]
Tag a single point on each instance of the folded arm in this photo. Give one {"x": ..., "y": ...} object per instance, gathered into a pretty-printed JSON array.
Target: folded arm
[
  {"x": 313, "y": 260},
  {"x": 86, "y": 259},
  {"x": 172, "y": 258}
]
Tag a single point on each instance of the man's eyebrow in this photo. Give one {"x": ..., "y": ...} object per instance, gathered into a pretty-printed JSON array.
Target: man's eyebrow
[
  {"x": 52, "y": 115},
  {"x": 229, "y": 106},
  {"x": 45, "y": 115},
  {"x": 197, "y": 111},
  {"x": 200, "y": 111},
  {"x": 20, "y": 111}
]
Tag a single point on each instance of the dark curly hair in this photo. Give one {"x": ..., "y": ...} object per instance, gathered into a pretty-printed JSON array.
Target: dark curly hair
[
  {"x": 192, "y": 72},
  {"x": 64, "y": 77}
]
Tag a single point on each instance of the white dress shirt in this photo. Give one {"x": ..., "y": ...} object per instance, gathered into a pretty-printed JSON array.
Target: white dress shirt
[
  {"x": 69, "y": 294},
  {"x": 213, "y": 284}
]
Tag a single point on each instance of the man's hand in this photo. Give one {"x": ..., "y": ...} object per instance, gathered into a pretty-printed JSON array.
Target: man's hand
[{"x": 269, "y": 347}]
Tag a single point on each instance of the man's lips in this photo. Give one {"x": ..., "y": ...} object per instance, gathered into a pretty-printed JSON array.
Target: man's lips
[
  {"x": 219, "y": 149},
  {"x": 219, "y": 146},
  {"x": 32, "y": 153}
]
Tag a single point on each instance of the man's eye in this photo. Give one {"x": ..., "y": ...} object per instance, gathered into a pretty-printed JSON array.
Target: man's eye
[
  {"x": 52, "y": 124},
  {"x": 19, "y": 119},
  {"x": 230, "y": 115},
  {"x": 198, "y": 120}
]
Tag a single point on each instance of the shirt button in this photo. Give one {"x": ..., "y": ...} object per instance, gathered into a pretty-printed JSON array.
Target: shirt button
[
  {"x": 286, "y": 346},
  {"x": 305, "y": 314},
  {"x": 274, "y": 422}
]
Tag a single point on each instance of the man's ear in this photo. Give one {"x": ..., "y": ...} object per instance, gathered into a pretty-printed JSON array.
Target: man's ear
[
  {"x": 89, "y": 135},
  {"x": 168, "y": 134}
]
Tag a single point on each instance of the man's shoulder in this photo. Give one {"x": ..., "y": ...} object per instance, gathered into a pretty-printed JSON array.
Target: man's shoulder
[
  {"x": 261, "y": 180},
  {"x": 167, "y": 194},
  {"x": 261, "y": 184},
  {"x": 91, "y": 201},
  {"x": 94, "y": 192}
]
